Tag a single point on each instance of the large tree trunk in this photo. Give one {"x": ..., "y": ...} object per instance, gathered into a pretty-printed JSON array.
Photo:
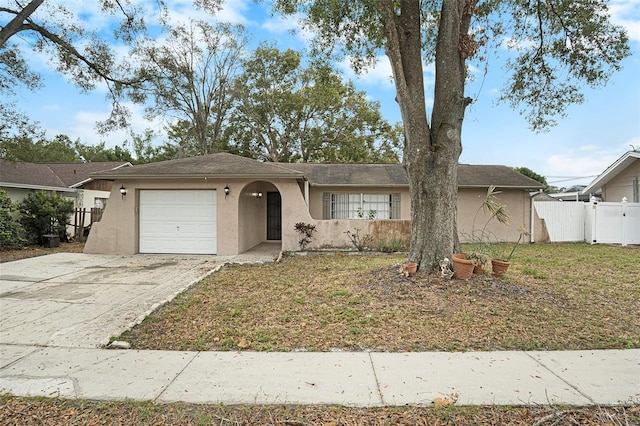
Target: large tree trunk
[{"x": 431, "y": 153}]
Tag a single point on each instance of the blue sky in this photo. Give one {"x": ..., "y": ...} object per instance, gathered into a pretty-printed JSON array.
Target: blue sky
[{"x": 582, "y": 145}]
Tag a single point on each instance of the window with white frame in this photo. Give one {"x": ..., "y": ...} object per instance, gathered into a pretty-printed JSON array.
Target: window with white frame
[
  {"x": 361, "y": 206},
  {"x": 100, "y": 203}
]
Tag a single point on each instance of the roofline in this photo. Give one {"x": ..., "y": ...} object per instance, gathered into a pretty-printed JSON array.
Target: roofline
[
  {"x": 82, "y": 182},
  {"x": 355, "y": 185},
  {"x": 525, "y": 187},
  {"x": 605, "y": 176},
  {"x": 127, "y": 164},
  {"x": 38, "y": 187},
  {"x": 114, "y": 177}
]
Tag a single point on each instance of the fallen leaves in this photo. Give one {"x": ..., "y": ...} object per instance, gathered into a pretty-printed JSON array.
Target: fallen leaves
[
  {"x": 357, "y": 303},
  {"x": 50, "y": 412}
]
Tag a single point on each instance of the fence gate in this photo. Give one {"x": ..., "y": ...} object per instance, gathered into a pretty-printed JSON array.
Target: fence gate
[
  {"x": 597, "y": 223},
  {"x": 82, "y": 221},
  {"x": 613, "y": 223}
]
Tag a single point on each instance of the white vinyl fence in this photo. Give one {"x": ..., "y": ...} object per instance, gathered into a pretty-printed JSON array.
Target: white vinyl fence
[{"x": 597, "y": 223}]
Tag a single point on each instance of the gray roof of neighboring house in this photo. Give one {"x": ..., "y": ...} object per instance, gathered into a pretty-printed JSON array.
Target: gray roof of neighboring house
[
  {"x": 55, "y": 175},
  {"x": 379, "y": 175}
]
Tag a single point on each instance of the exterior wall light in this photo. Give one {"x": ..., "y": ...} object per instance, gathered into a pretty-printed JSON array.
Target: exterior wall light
[
  {"x": 259, "y": 195},
  {"x": 226, "y": 191},
  {"x": 123, "y": 191}
]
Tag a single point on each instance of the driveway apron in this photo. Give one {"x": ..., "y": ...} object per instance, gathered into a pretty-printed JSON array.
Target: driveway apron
[{"x": 82, "y": 300}]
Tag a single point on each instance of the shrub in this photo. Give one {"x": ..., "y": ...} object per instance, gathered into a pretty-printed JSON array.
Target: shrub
[
  {"x": 11, "y": 231},
  {"x": 306, "y": 231},
  {"x": 45, "y": 213},
  {"x": 361, "y": 242}
]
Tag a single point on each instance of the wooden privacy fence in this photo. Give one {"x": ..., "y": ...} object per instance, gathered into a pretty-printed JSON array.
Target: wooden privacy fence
[
  {"x": 82, "y": 221},
  {"x": 594, "y": 222}
]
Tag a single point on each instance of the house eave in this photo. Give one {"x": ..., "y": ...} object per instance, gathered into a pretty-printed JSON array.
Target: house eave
[
  {"x": 611, "y": 172},
  {"x": 37, "y": 187}
]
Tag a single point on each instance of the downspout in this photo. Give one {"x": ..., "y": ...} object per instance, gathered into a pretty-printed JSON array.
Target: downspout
[{"x": 306, "y": 192}]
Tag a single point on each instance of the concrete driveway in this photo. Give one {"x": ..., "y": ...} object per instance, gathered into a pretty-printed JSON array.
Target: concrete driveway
[{"x": 82, "y": 300}]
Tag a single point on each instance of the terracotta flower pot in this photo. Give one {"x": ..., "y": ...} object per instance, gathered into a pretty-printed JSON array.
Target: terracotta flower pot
[
  {"x": 499, "y": 267},
  {"x": 410, "y": 268},
  {"x": 478, "y": 269},
  {"x": 462, "y": 268}
]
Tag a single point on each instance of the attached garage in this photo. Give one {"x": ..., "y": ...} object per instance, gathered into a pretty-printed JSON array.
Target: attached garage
[{"x": 177, "y": 221}]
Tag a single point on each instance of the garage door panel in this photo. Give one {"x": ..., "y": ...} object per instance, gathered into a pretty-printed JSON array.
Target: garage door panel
[{"x": 178, "y": 221}]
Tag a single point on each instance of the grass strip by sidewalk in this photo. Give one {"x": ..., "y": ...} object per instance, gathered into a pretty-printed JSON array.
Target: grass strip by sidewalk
[
  {"x": 554, "y": 297},
  {"x": 45, "y": 411}
]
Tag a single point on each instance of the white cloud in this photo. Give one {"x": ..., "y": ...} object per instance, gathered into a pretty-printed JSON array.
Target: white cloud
[
  {"x": 83, "y": 127},
  {"x": 379, "y": 75},
  {"x": 591, "y": 147},
  {"x": 582, "y": 166},
  {"x": 281, "y": 25},
  {"x": 627, "y": 14}
]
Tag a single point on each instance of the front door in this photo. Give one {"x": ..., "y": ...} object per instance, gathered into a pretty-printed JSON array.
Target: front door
[{"x": 274, "y": 216}]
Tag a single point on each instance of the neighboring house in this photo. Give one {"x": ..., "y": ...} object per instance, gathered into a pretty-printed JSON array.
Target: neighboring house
[
  {"x": 573, "y": 193},
  {"x": 71, "y": 180},
  {"x": 224, "y": 204},
  {"x": 619, "y": 180}
]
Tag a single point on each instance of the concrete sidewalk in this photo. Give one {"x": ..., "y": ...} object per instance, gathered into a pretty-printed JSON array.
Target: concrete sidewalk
[{"x": 351, "y": 379}]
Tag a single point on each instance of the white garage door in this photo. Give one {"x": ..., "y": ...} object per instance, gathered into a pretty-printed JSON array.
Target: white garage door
[{"x": 178, "y": 221}]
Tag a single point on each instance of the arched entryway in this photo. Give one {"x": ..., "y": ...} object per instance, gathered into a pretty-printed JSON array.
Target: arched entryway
[{"x": 259, "y": 216}]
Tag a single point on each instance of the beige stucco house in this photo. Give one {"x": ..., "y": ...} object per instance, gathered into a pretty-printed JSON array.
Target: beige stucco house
[
  {"x": 225, "y": 204},
  {"x": 619, "y": 180}
]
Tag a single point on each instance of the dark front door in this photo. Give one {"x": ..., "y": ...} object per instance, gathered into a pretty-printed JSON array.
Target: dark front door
[{"x": 274, "y": 216}]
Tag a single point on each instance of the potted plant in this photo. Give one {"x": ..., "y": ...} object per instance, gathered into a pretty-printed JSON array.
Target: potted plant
[
  {"x": 500, "y": 264},
  {"x": 462, "y": 267},
  {"x": 479, "y": 261}
]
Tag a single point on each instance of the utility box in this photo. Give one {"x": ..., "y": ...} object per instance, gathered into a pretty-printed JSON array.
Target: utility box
[{"x": 50, "y": 240}]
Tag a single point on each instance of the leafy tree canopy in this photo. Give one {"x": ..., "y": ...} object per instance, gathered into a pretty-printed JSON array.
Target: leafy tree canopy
[
  {"x": 533, "y": 175},
  {"x": 187, "y": 80},
  {"x": 60, "y": 149},
  {"x": 286, "y": 111}
]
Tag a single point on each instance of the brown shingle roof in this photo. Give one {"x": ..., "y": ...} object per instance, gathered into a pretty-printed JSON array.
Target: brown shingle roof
[
  {"x": 471, "y": 175},
  {"x": 353, "y": 174},
  {"x": 29, "y": 174},
  {"x": 394, "y": 175},
  {"x": 379, "y": 175},
  {"x": 212, "y": 165},
  {"x": 74, "y": 173},
  {"x": 58, "y": 175}
]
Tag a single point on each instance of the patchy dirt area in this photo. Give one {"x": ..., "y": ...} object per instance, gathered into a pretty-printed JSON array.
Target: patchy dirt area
[
  {"x": 35, "y": 250},
  {"x": 362, "y": 303},
  {"x": 54, "y": 412}
]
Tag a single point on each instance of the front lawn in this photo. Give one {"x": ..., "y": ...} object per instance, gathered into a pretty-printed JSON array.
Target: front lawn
[{"x": 554, "y": 297}]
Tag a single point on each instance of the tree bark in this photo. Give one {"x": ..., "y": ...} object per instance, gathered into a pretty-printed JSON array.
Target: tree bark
[
  {"x": 431, "y": 152},
  {"x": 17, "y": 23}
]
